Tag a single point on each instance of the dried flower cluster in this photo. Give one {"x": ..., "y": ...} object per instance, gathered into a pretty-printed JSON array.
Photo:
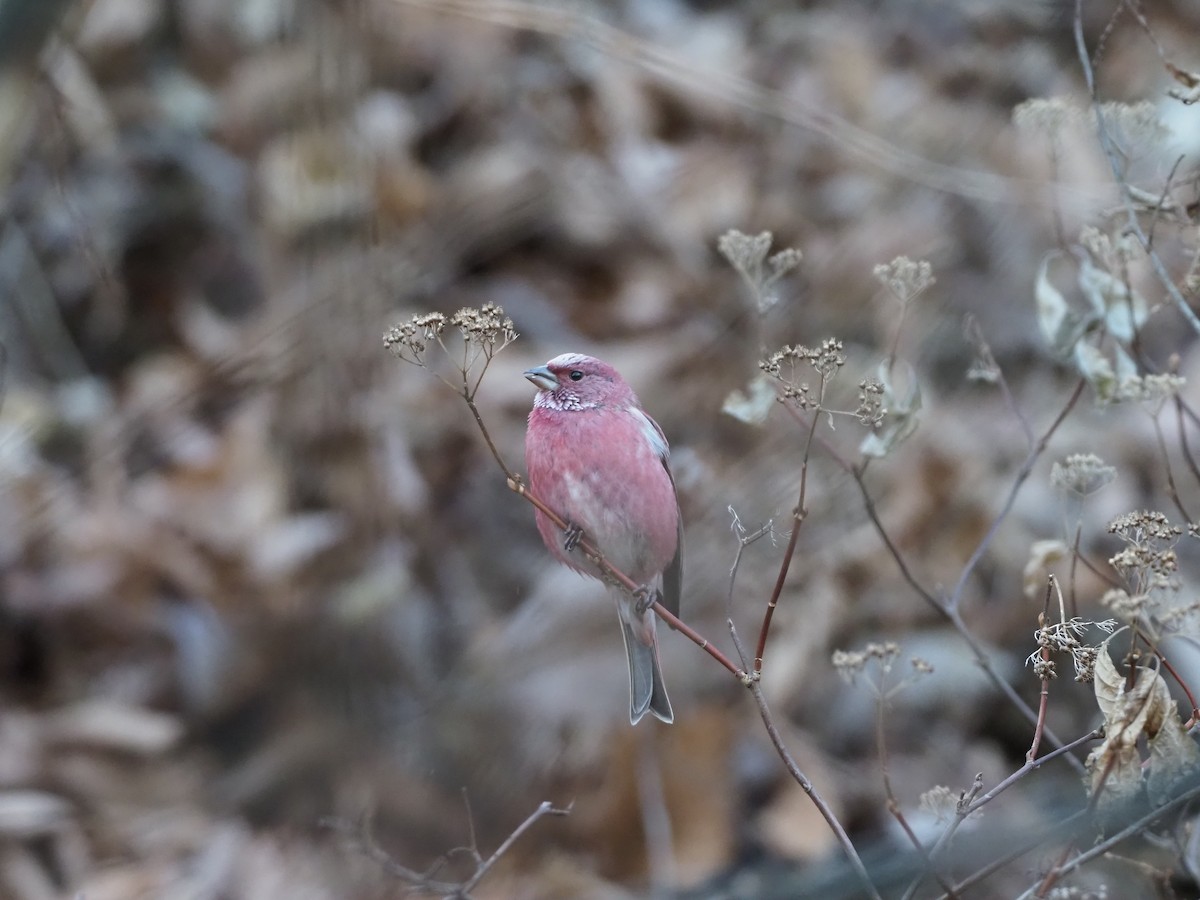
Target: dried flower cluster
[
  {"x": 905, "y": 278},
  {"x": 409, "y": 340},
  {"x": 748, "y": 255},
  {"x": 940, "y": 802},
  {"x": 850, "y": 663},
  {"x": 782, "y": 365},
  {"x": 1081, "y": 474},
  {"x": 871, "y": 411},
  {"x": 1149, "y": 389},
  {"x": 485, "y": 332},
  {"x": 1148, "y": 562},
  {"x": 486, "y": 329},
  {"x": 944, "y": 804},
  {"x": 1064, "y": 637}
]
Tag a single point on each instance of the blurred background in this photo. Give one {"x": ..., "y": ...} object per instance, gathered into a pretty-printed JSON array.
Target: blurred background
[{"x": 255, "y": 572}]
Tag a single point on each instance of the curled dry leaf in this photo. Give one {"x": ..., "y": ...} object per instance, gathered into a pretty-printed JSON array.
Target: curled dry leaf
[{"x": 1145, "y": 710}]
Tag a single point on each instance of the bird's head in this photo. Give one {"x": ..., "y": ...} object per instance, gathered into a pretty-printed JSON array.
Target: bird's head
[{"x": 573, "y": 381}]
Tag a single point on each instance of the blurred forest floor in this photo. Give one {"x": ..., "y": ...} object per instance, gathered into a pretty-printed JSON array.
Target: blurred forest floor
[{"x": 256, "y": 573}]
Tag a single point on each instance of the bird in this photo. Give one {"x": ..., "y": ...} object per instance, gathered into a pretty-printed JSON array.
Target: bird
[{"x": 597, "y": 459}]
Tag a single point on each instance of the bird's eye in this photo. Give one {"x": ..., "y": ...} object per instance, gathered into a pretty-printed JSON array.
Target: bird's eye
[{"x": 576, "y": 374}]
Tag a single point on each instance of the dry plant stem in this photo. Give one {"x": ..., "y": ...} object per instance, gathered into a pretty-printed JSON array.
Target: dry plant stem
[
  {"x": 781, "y": 749},
  {"x": 1162, "y": 200},
  {"x": 892, "y": 804},
  {"x": 1043, "y": 702},
  {"x": 1028, "y": 847},
  {"x": 798, "y": 516},
  {"x": 1023, "y": 473},
  {"x": 1134, "y": 828},
  {"x": 973, "y": 805},
  {"x": 744, "y": 541},
  {"x": 1114, "y": 161},
  {"x": 950, "y": 608},
  {"x": 944, "y": 607},
  {"x": 818, "y": 801},
  {"x": 1106, "y": 577},
  {"x": 467, "y": 396},
  {"x": 1051, "y": 877},
  {"x": 545, "y": 809},
  {"x": 1029, "y": 766}
]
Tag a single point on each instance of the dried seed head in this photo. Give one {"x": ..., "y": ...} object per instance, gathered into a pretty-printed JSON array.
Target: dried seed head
[
  {"x": 1081, "y": 474},
  {"x": 409, "y": 340},
  {"x": 905, "y": 278},
  {"x": 1046, "y": 116}
]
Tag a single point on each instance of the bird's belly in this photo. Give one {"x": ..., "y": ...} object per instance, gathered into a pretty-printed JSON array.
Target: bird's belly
[{"x": 626, "y": 522}]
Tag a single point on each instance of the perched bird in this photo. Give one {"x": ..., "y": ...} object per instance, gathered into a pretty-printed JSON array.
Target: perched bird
[{"x": 597, "y": 459}]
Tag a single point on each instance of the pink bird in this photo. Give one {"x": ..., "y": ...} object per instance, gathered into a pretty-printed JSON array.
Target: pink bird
[{"x": 601, "y": 463}]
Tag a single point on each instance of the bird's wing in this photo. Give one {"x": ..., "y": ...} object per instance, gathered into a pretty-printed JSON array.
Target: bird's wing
[{"x": 673, "y": 574}]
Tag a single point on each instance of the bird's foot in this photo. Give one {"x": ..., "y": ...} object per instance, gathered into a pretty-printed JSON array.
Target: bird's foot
[
  {"x": 572, "y": 536},
  {"x": 646, "y": 596}
]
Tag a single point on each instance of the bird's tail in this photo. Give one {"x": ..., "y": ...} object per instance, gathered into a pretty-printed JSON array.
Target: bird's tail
[{"x": 647, "y": 693}]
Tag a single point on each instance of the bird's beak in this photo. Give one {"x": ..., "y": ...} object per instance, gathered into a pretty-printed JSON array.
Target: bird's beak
[{"x": 542, "y": 378}]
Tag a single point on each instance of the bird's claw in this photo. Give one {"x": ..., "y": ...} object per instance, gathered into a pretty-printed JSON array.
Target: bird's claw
[
  {"x": 646, "y": 597},
  {"x": 572, "y": 536}
]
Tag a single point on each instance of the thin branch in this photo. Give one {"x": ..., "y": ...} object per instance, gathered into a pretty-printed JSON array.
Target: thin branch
[
  {"x": 508, "y": 473},
  {"x": 818, "y": 801},
  {"x": 1030, "y": 766},
  {"x": 857, "y": 473},
  {"x": 1022, "y": 474},
  {"x": 1028, "y": 847},
  {"x": 546, "y": 808},
  {"x": 892, "y": 805},
  {"x": 949, "y": 608},
  {"x": 798, "y": 516},
  {"x": 1160, "y": 206},
  {"x": 973, "y": 802},
  {"x": 744, "y": 541},
  {"x": 1129, "y": 831}
]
